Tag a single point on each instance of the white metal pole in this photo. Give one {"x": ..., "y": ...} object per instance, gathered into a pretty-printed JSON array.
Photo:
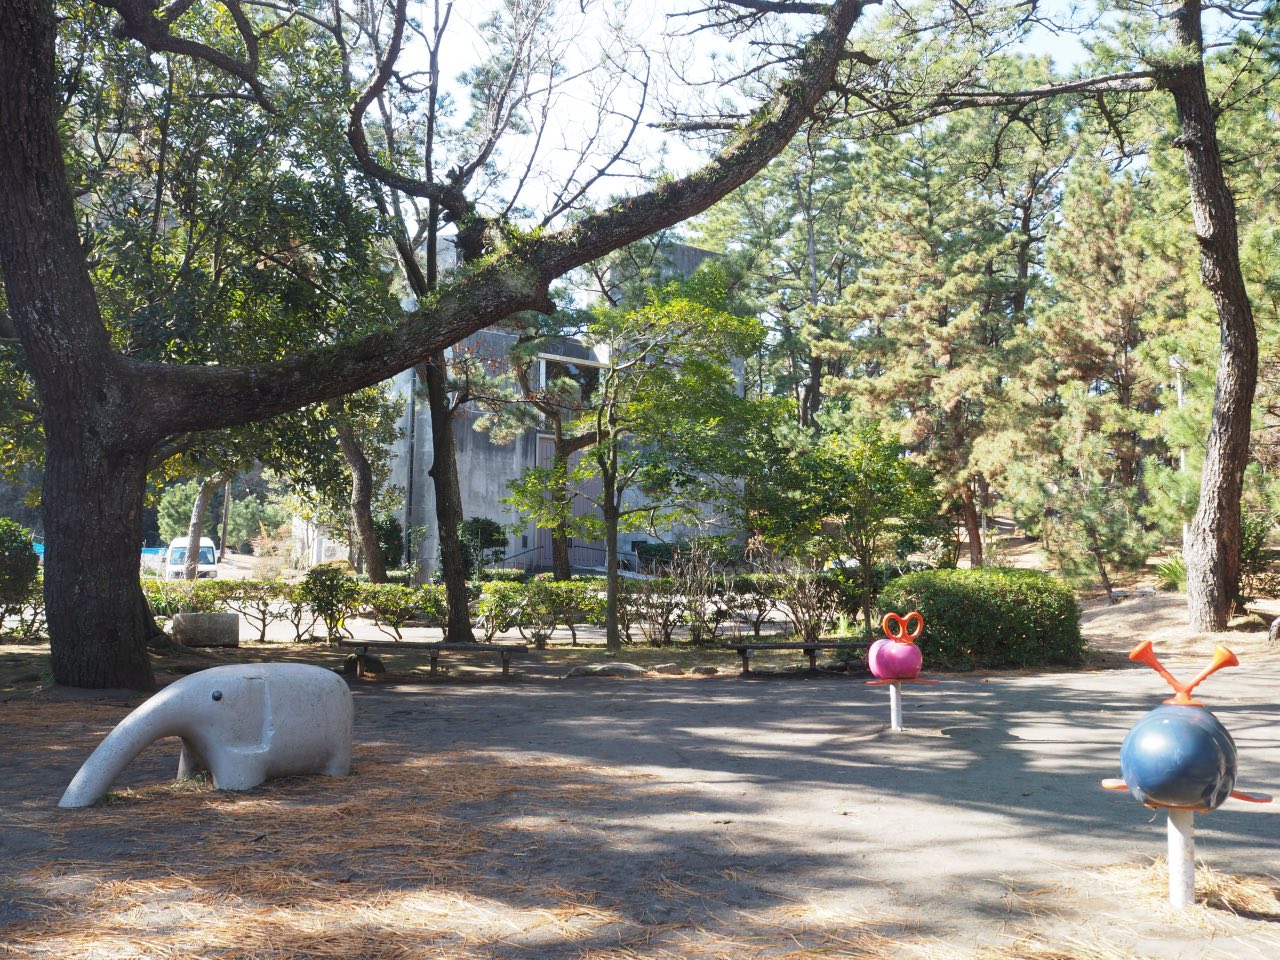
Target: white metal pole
[
  {"x": 895, "y": 706},
  {"x": 1182, "y": 858}
]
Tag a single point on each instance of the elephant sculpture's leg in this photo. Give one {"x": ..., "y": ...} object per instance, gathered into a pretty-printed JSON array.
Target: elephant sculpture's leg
[
  {"x": 339, "y": 764},
  {"x": 190, "y": 761}
]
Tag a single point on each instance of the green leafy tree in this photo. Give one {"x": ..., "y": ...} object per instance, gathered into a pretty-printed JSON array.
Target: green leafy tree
[{"x": 847, "y": 496}]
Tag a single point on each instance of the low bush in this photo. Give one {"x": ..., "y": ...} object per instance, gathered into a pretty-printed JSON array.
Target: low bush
[
  {"x": 389, "y": 605},
  {"x": 1172, "y": 573},
  {"x": 755, "y": 596},
  {"x": 659, "y": 609},
  {"x": 170, "y": 597},
  {"x": 258, "y": 601},
  {"x": 333, "y": 595},
  {"x": 847, "y": 582},
  {"x": 431, "y": 604},
  {"x": 24, "y": 619},
  {"x": 296, "y": 610},
  {"x": 990, "y": 617},
  {"x": 500, "y": 607},
  {"x": 18, "y": 566},
  {"x": 514, "y": 574}
]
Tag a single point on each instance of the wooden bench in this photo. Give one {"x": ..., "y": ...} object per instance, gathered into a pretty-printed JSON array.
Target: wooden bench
[
  {"x": 505, "y": 650},
  {"x": 811, "y": 648}
]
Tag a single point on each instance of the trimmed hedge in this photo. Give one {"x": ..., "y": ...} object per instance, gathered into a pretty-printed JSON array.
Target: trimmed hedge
[
  {"x": 18, "y": 564},
  {"x": 992, "y": 617}
]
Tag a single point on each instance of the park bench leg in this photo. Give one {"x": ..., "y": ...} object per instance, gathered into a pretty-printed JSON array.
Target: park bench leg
[
  {"x": 813, "y": 659},
  {"x": 435, "y": 660},
  {"x": 506, "y": 664},
  {"x": 746, "y": 663},
  {"x": 360, "y": 665}
]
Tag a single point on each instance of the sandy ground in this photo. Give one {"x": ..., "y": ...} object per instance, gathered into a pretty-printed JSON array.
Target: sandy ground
[{"x": 734, "y": 805}]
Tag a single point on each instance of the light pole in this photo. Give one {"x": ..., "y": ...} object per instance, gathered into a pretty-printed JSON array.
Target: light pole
[{"x": 1177, "y": 364}]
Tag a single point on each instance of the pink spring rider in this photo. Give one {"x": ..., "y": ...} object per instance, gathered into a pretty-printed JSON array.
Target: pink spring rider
[{"x": 895, "y": 659}]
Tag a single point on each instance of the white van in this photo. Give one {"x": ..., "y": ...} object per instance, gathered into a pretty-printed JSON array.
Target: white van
[{"x": 175, "y": 561}]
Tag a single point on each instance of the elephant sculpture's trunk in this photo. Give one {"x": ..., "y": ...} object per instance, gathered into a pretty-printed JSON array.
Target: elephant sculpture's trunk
[{"x": 132, "y": 735}]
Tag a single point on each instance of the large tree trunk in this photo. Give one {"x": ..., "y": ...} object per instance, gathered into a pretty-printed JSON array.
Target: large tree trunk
[
  {"x": 195, "y": 529},
  {"x": 362, "y": 503},
  {"x": 1213, "y": 546},
  {"x": 93, "y": 534},
  {"x": 99, "y": 428},
  {"x": 444, "y": 474}
]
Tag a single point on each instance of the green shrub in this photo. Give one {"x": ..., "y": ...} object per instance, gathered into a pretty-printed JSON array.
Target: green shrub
[
  {"x": 1255, "y": 528},
  {"x": 847, "y": 582},
  {"x": 755, "y": 596},
  {"x": 581, "y": 600},
  {"x": 431, "y": 604},
  {"x": 484, "y": 541},
  {"x": 514, "y": 574},
  {"x": 390, "y": 538},
  {"x": 536, "y": 608},
  {"x": 18, "y": 566},
  {"x": 258, "y": 601},
  {"x": 990, "y": 617},
  {"x": 390, "y": 605},
  {"x": 500, "y": 607},
  {"x": 170, "y": 597},
  {"x": 333, "y": 596},
  {"x": 659, "y": 609},
  {"x": 297, "y": 611},
  {"x": 1172, "y": 573},
  {"x": 26, "y": 623}
]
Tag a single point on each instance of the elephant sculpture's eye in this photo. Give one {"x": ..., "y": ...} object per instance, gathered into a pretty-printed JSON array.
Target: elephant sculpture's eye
[{"x": 217, "y": 694}]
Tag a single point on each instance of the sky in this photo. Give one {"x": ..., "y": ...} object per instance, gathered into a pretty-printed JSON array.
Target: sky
[{"x": 584, "y": 35}]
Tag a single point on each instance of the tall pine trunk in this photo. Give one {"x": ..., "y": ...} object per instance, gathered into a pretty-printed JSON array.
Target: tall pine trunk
[
  {"x": 444, "y": 474},
  {"x": 195, "y": 529},
  {"x": 361, "y": 501},
  {"x": 1213, "y": 545},
  {"x": 99, "y": 427},
  {"x": 973, "y": 528}
]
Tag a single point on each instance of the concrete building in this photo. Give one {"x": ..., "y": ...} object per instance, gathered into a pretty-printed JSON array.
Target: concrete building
[{"x": 486, "y": 468}]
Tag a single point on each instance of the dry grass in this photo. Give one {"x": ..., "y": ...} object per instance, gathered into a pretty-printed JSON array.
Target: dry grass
[
  {"x": 1255, "y": 898},
  {"x": 1029, "y": 948},
  {"x": 398, "y": 862}
]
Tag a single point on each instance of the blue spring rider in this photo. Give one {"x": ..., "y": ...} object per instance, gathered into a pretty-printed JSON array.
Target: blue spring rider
[{"x": 1180, "y": 756}]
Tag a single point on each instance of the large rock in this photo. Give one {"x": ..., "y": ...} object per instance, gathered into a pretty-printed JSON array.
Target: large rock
[
  {"x": 705, "y": 671},
  {"x": 674, "y": 669},
  {"x": 607, "y": 670},
  {"x": 207, "y": 629}
]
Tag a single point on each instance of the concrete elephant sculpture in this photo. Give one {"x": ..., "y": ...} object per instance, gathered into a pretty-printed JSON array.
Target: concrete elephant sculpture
[{"x": 242, "y": 723}]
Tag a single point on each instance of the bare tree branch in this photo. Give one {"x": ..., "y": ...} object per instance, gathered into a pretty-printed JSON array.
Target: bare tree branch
[{"x": 139, "y": 21}]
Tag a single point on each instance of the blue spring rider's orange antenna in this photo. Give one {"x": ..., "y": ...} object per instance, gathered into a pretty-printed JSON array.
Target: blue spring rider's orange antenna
[{"x": 1180, "y": 757}]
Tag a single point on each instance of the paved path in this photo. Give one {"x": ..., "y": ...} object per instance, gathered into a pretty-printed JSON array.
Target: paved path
[{"x": 984, "y": 819}]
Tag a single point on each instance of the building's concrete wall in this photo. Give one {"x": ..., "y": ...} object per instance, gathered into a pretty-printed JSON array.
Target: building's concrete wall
[{"x": 485, "y": 469}]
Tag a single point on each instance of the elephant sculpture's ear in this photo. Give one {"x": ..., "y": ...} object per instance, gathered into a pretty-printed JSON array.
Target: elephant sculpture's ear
[{"x": 248, "y": 706}]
